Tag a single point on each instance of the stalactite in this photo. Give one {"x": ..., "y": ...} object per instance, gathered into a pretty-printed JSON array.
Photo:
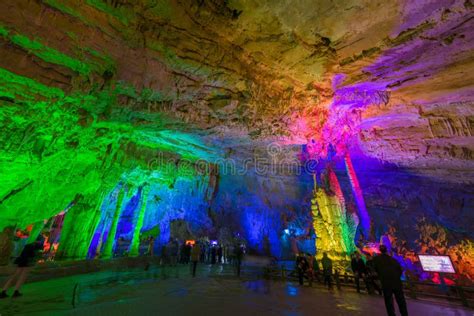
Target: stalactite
[
  {"x": 135, "y": 245},
  {"x": 110, "y": 242},
  {"x": 71, "y": 233},
  {"x": 20, "y": 188},
  {"x": 213, "y": 177},
  {"x": 96, "y": 222},
  {"x": 103, "y": 225},
  {"x": 359, "y": 197}
]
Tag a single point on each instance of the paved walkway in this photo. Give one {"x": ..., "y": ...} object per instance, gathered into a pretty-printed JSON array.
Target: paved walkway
[{"x": 214, "y": 292}]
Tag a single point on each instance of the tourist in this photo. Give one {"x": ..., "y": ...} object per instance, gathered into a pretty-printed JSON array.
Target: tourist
[
  {"x": 120, "y": 248},
  {"x": 207, "y": 252},
  {"x": 202, "y": 257},
  {"x": 225, "y": 254},
  {"x": 316, "y": 270},
  {"x": 301, "y": 267},
  {"x": 151, "y": 246},
  {"x": 182, "y": 253},
  {"x": 310, "y": 271},
  {"x": 173, "y": 252},
  {"x": 238, "y": 255},
  {"x": 337, "y": 278},
  {"x": 390, "y": 272},
  {"x": 219, "y": 254},
  {"x": 187, "y": 252},
  {"x": 195, "y": 255},
  {"x": 327, "y": 270},
  {"x": 19, "y": 241},
  {"x": 25, "y": 263},
  {"x": 6, "y": 246},
  {"x": 213, "y": 254},
  {"x": 230, "y": 253},
  {"x": 150, "y": 240},
  {"x": 359, "y": 270},
  {"x": 372, "y": 276},
  {"x": 164, "y": 255}
]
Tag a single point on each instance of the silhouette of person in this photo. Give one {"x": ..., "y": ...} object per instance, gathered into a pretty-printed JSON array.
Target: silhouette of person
[{"x": 389, "y": 272}]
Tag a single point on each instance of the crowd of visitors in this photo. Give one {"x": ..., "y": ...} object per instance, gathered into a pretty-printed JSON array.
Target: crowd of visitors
[
  {"x": 202, "y": 251},
  {"x": 307, "y": 267},
  {"x": 365, "y": 271},
  {"x": 180, "y": 252},
  {"x": 374, "y": 270},
  {"x": 381, "y": 269}
]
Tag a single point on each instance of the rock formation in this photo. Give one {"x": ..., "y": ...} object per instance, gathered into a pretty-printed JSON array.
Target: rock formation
[{"x": 160, "y": 99}]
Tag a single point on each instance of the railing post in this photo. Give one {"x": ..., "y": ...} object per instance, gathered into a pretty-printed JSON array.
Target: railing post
[
  {"x": 411, "y": 288},
  {"x": 462, "y": 296},
  {"x": 283, "y": 273},
  {"x": 338, "y": 282},
  {"x": 266, "y": 272},
  {"x": 74, "y": 295}
]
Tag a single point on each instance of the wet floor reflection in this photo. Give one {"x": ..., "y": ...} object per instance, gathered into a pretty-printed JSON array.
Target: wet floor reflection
[
  {"x": 291, "y": 290},
  {"x": 176, "y": 293},
  {"x": 258, "y": 286}
]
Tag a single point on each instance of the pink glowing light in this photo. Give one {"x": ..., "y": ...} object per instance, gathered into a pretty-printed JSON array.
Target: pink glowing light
[
  {"x": 335, "y": 186},
  {"x": 359, "y": 197}
]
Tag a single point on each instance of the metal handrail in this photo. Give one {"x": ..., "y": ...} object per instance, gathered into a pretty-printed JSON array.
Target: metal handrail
[
  {"x": 74, "y": 294},
  {"x": 276, "y": 272},
  {"x": 410, "y": 286}
]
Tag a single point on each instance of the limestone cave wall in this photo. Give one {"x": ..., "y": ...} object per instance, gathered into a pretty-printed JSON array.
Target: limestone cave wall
[{"x": 118, "y": 114}]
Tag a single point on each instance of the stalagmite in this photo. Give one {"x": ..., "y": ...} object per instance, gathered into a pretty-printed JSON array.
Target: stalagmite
[
  {"x": 134, "y": 247},
  {"x": 110, "y": 242},
  {"x": 334, "y": 229}
]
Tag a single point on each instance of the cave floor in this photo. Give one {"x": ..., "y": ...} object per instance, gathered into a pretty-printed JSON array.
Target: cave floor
[{"x": 215, "y": 291}]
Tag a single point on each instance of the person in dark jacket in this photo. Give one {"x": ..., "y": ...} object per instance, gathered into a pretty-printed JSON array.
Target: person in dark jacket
[
  {"x": 195, "y": 256},
  {"x": 389, "y": 272},
  {"x": 371, "y": 277},
  {"x": 187, "y": 252},
  {"x": 238, "y": 256},
  {"x": 310, "y": 271},
  {"x": 359, "y": 270},
  {"x": 316, "y": 270},
  {"x": 327, "y": 270},
  {"x": 25, "y": 263},
  {"x": 219, "y": 254},
  {"x": 301, "y": 267},
  {"x": 213, "y": 254}
]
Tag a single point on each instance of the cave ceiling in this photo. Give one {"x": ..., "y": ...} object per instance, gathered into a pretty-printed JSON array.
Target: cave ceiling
[{"x": 394, "y": 77}]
